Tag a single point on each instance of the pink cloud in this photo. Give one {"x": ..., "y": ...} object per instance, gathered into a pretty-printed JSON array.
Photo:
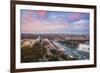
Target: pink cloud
[
  {"x": 27, "y": 17},
  {"x": 41, "y": 13},
  {"x": 75, "y": 16},
  {"x": 43, "y": 26}
]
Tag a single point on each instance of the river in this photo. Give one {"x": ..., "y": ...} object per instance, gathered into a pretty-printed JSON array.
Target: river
[{"x": 73, "y": 52}]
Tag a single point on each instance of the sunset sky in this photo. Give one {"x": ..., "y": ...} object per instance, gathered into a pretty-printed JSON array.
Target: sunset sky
[{"x": 39, "y": 21}]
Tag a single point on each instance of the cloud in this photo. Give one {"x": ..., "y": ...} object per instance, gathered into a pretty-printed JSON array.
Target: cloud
[
  {"x": 53, "y": 22},
  {"x": 41, "y": 13},
  {"x": 43, "y": 26},
  {"x": 75, "y": 16},
  {"x": 81, "y": 24}
]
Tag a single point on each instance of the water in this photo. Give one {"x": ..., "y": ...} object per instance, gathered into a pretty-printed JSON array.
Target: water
[{"x": 73, "y": 52}]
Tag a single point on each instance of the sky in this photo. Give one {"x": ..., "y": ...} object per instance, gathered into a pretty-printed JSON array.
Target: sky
[{"x": 54, "y": 22}]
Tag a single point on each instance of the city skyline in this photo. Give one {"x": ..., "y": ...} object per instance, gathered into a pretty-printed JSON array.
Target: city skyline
[{"x": 40, "y": 21}]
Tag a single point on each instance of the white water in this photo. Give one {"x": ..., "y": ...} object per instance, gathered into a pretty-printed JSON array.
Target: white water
[{"x": 73, "y": 52}]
